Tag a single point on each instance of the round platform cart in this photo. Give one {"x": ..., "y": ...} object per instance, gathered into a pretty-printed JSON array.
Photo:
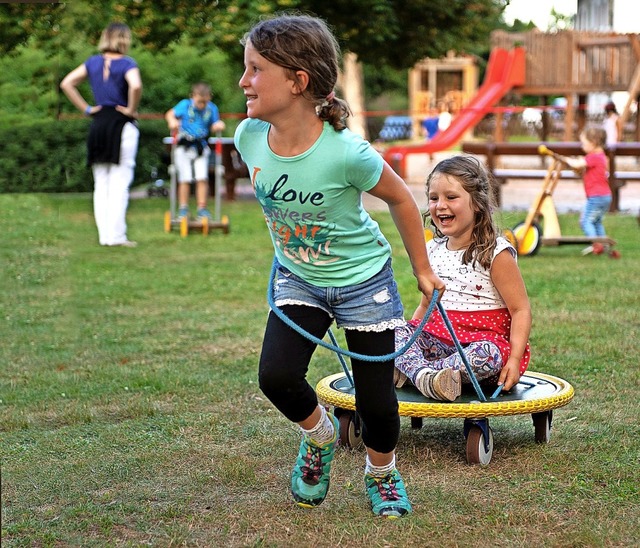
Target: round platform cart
[{"x": 536, "y": 393}]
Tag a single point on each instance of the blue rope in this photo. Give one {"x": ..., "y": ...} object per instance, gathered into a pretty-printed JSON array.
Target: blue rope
[
  {"x": 386, "y": 357},
  {"x": 467, "y": 366},
  {"x": 334, "y": 347},
  {"x": 343, "y": 363}
]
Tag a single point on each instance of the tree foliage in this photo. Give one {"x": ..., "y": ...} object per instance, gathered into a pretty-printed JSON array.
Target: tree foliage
[
  {"x": 399, "y": 33},
  {"x": 42, "y": 42},
  {"x": 387, "y": 32}
]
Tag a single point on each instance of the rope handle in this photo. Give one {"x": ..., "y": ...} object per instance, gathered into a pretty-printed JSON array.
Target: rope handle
[
  {"x": 467, "y": 365},
  {"x": 335, "y": 348}
]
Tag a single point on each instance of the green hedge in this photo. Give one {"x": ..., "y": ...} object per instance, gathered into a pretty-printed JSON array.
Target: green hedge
[{"x": 50, "y": 155}]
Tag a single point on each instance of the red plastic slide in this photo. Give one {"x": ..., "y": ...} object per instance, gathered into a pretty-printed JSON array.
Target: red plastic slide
[{"x": 505, "y": 70}]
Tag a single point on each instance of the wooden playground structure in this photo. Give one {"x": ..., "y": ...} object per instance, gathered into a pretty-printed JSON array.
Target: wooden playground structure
[
  {"x": 583, "y": 62},
  {"x": 570, "y": 64},
  {"x": 573, "y": 64},
  {"x": 451, "y": 80}
]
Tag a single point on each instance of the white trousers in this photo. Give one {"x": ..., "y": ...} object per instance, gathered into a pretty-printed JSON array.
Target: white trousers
[
  {"x": 190, "y": 166},
  {"x": 111, "y": 189}
]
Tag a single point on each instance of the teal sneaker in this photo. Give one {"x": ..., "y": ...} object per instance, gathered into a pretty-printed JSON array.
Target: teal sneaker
[
  {"x": 204, "y": 212},
  {"x": 183, "y": 213},
  {"x": 310, "y": 475},
  {"x": 388, "y": 495}
]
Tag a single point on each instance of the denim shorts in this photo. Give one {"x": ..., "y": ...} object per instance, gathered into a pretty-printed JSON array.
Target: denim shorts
[{"x": 373, "y": 305}]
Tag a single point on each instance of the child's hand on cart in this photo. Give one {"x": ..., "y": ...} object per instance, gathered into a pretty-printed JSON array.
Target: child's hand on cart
[{"x": 509, "y": 376}]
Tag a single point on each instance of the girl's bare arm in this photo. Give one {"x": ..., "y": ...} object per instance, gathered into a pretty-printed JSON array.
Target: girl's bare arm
[
  {"x": 507, "y": 278},
  {"x": 406, "y": 216}
]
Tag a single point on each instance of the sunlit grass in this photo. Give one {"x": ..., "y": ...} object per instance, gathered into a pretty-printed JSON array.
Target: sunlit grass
[{"x": 130, "y": 413}]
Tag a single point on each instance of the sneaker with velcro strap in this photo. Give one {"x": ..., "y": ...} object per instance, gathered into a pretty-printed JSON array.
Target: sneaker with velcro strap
[
  {"x": 388, "y": 495},
  {"x": 310, "y": 475}
]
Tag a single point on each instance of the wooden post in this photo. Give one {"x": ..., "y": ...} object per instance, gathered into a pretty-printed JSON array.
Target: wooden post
[
  {"x": 499, "y": 132},
  {"x": 569, "y": 117},
  {"x": 495, "y": 183},
  {"x": 544, "y": 101},
  {"x": 353, "y": 89},
  {"x": 582, "y": 112},
  {"x": 634, "y": 89},
  {"x": 613, "y": 182},
  {"x": 637, "y": 131}
]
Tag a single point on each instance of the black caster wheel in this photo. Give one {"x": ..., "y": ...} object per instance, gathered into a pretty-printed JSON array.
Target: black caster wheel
[
  {"x": 542, "y": 426},
  {"x": 479, "y": 447},
  {"x": 350, "y": 434}
]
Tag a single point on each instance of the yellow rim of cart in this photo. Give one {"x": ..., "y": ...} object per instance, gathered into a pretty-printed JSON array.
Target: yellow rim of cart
[{"x": 553, "y": 393}]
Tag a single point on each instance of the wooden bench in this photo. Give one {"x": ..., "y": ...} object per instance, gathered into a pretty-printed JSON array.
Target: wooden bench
[{"x": 492, "y": 151}]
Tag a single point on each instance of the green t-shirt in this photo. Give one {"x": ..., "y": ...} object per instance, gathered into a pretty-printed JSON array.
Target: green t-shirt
[{"x": 313, "y": 204}]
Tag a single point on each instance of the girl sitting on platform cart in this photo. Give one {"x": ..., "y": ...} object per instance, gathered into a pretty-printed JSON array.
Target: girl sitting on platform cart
[{"x": 486, "y": 299}]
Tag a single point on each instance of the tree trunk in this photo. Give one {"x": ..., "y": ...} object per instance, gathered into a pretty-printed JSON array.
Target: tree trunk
[{"x": 353, "y": 89}]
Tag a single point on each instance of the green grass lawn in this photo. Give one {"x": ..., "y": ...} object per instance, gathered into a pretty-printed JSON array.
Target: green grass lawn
[{"x": 130, "y": 413}]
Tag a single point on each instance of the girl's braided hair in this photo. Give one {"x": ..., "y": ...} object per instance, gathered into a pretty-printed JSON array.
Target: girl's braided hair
[{"x": 301, "y": 42}]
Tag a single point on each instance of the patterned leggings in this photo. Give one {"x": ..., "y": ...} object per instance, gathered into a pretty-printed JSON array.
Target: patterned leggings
[{"x": 430, "y": 353}]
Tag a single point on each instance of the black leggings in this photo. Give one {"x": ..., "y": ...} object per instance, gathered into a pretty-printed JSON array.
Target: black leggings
[{"x": 284, "y": 363}]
